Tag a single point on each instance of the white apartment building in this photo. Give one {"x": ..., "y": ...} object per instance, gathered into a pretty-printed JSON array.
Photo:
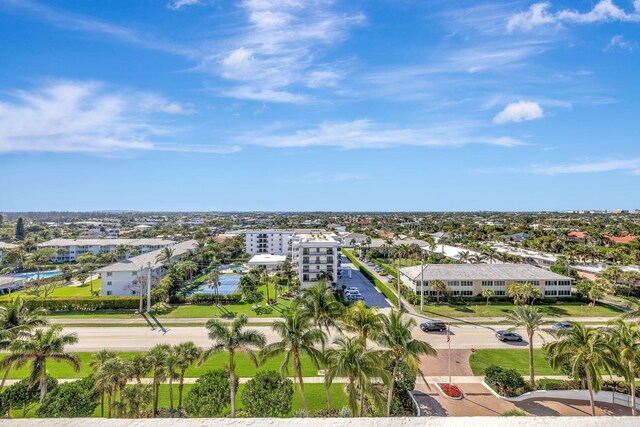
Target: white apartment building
[
  {"x": 268, "y": 261},
  {"x": 315, "y": 254},
  {"x": 472, "y": 279},
  {"x": 124, "y": 278},
  {"x": 76, "y": 247},
  {"x": 271, "y": 241},
  {"x": 4, "y": 247}
]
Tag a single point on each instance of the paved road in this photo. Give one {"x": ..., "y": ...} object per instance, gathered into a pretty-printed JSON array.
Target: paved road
[
  {"x": 372, "y": 297},
  {"x": 130, "y": 339}
]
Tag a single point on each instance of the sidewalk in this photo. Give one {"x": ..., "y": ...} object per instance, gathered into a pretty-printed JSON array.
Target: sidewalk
[{"x": 140, "y": 320}]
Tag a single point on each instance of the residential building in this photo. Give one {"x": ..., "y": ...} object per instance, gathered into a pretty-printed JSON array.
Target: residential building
[
  {"x": 472, "y": 279},
  {"x": 73, "y": 248},
  {"x": 5, "y": 247},
  {"x": 10, "y": 284},
  {"x": 124, "y": 278},
  {"x": 272, "y": 241},
  {"x": 314, "y": 255},
  {"x": 268, "y": 261},
  {"x": 352, "y": 239},
  {"x": 517, "y": 237}
]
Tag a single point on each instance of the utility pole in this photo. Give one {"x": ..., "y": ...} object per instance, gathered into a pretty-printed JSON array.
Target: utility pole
[
  {"x": 422, "y": 284},
  {"x": 140, "y": 277},
  {"x": 148, "y": 287},
  {"x": 399, "y": 297}
]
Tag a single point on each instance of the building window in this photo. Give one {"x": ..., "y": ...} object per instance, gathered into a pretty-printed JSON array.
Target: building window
[
  {"x": 487, "y": 283},
  {"x": 109, "y": 274},
  {"x": 453, "y": 283},
  {"x": 109, "y": 293},
  {"x": 499, "y": 293},
  {"x": 133, "y": 273},
  {"x": 499, "y": 283},
  {"x": 109, "y": 283},
  {"x": 134, "y": 293},
  {"x": 466, "y": 283}
]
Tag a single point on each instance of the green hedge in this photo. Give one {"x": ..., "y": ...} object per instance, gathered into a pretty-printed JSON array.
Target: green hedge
[
  {"x": 391, "y": 296},
  {"x": 211, "y": 298},
  {"x": 82, "y": 303}
]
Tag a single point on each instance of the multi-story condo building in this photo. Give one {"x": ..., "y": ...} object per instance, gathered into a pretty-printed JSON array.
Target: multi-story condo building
[
  {"x": 126, "y": 278},
  {"x": 271, "y": 241},
  {"x": 314, "y": 255},
  {"x": 4, "y": 247},
  {"x": 73, "y": 248},
  {"x": 472, "y": 279}
]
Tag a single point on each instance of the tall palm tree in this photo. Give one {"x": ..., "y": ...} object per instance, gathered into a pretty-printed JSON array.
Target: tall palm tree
[
  {"x": 319, "y": 303},
  {"x": 265, "y": 280},
  {"x": 349, "y": 358},
  {"x": 363, "y": 320},
  {"x": 396, "y": 338},
  {"x": 109, "y": 375},
  {"x": 588, "y": 351},
  {"x": 530, "y": 318},
  {"x": 136, "y": 398},
  {"x": 43, "y": 345},
  {"x": 625, "y": 338},
  {"x": 157, "y": 359},
  {"x": 286, "y": 271},
  {"x": 139, "y": 367},
  {"x": 187, "y": 353},
  {"x": 98, "y": 359},
  {"x": 233, "y": 339},
  {"x": 299, "y": 336},
  {"x": 17, "y": 321},
  {"x": 214, "y": 276},
  {"x": 165, "y": 255}
]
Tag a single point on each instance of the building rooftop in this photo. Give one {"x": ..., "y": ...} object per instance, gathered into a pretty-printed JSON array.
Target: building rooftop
[
  {"x": 481, "y": 272},
  {"x": 4, "y": 245},
  {"x": 267, "y": 259},
  {"x": 7, "y": 280},
  {"x": 106, "y": 242},
  {"x": 143, "y": 261}
]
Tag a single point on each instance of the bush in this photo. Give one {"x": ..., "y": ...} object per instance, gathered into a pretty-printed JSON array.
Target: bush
[
  {"x": 506, "y": 382},
  {"x": 209, "y": 396},
  {"x": 71, "y": 400},
  {"x": 513, "y": 413},
  {"x": 82, "y": 303},
  {"x": 22, "y": 396},
  {"x": 451, "y": 390},
  {"x": 268, "y": 395},
  {"x": 198, "y": 298},
  {"x": 547, "y": 384},
  {"x": 619, "y": 387}
]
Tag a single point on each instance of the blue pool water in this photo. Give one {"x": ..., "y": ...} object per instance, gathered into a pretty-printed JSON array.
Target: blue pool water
[
  {"x": 237, "y": 268},
  {"x": 34, "y": 274},
  {"x": 228, "y": 285}
]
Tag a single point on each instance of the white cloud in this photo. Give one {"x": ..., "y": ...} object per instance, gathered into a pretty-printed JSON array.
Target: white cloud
[
  {"x": 87, "y": 117},
  {"x": 539, "y": 14},
  {"x": 629, "y": 165},
  {"x": 518, "y": 112},
  {"x": 178, "y": 4},
  {"x": 619, "y": 42},
  {"x": 368, "y": 134},
  {"x": 280, "y": 48}
]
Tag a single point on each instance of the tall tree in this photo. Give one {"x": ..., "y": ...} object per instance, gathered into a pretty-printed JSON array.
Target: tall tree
[
  {"x": 157, "y": 359},
  {"x": 299, "y": 336},
  {"x": 530, "y": 318},
  {"x": 234, "y": 339},
  {"x": 98, "y": 359},
  {"x": 187, "y": 353},
  {"x": 396, "y": 338},
  {"x": 625, "y": 338},
  {"x": 363, "y": 321},
  {"x": 20, "y": 233}
]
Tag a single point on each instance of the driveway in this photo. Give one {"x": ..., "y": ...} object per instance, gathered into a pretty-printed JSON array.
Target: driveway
[{"x": 372, "y": 297}]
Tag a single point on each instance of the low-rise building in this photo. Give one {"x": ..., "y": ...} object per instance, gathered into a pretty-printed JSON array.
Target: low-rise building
[
  {"x": 125, "y": 278},
  {"x": 10, "y": 284},
  {"x": 5, "y": 247},
  {"x": 472, "y": 279},
  {"x": 352, "y": 239},
  {"x": 68, "y": 250},
  {"x": 268, "y": 261}
]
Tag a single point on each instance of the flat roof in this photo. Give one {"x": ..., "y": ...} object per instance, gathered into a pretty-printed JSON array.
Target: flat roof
[
  {"x": 267, "y": 259},
  {"x": 481, "y": 272},
  {"x": 4, "y": 245},
  {"x": 142, "y": 261},
  {"x": 6, "y": 280},
  {"x": 107, "y": 242}
]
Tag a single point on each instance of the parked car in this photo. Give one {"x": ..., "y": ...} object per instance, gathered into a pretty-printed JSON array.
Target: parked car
[
  {"x": 391, "y": 279},
  {"x": 348, "y": 292},
  {"x": 561, "y": 326},
  {"x": 433, "y": 325},
  {"x": 508, "y": 336},
  {"x": 355, "y": 297},
  {"x": 352, "y": 288}
]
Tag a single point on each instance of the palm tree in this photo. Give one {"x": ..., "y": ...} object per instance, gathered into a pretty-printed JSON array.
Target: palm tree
[
  {"x": 349, "y": 358},
  {"x": 286, "y": 271},
  {"x": 187, "y": 353},
  {"x": 136, "y": 398},
  {"x": 530, "y": 318},
  {"x": 299, "y": 336},
  {"x": 439, "y": 287},
  {"x": 214, "y": 276},
  {"x": 363, "y": 320},
  {"x": 165, "y": 255},
  {"x": 233, "y": 339},
  {"x": 488, "y": 294},
  {"x": 625, "y": 337},
  {"x": 188, "y": 268},
  {"x": 139, "y": 367},
  {"x": 17, "y": 321},
  {"x": 39, "y": 348},
  {"x": 319, "y": 303},
  {"x": 265, "y": 279},
  {"x": 157, "y": 358},
  {"x": 396, "y": 337},
  {"x": 109, "y": 375},
  {"x": 464, "y": 256},
  {"x": 587, "y": 351},
  {"x": 98, "y": 359}
]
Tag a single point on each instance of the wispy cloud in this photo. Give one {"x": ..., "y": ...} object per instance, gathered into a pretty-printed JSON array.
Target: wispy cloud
[
  {"x": 628, "y": 165},
  {"x": 619, "y": 42},
  {"x": 518, "y": 112},
  {"x": 89, "y": 117},
  {"x": 280, "y": 47},
  {"x": 368, "y": 134},
  {"x": 179, "y": 4},
  {"x": 539, "y": 14}
]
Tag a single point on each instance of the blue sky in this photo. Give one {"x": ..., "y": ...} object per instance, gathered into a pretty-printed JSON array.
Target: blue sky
[{"x": 319, "y": 105}]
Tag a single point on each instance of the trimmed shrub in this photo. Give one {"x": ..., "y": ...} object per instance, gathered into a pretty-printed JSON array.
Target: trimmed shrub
[
  {"x": 209, "y": 396},
  {"x": 506, "y": 382},
  {"x": 22, "y": 396},
  {"x": 71, "y": 400},
  {"x": 82, "y": 303},
  {"x": 269, "y": 394}
]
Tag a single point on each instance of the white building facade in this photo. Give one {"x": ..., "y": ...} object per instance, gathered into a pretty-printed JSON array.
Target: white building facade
[
  {"x": 314, "y": 256},
  {"x": 73, "y": 248},
  {"x": 472, "y": 279},
  {"x": 272, "y": 241}
]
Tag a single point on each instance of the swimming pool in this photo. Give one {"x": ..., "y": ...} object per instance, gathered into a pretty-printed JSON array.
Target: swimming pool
[
  {"x": 34, "y": 275},
  {"x": 237, "y": 268},
  {"x": 228, "y": 284}
]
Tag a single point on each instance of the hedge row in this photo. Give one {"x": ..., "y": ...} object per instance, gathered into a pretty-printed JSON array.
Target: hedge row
[
  {"x": 211, "y": 298},
  {"x": 82, "y": 303}
]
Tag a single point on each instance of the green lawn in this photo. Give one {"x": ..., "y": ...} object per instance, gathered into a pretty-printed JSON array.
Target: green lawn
[
  {"x": 517, "y": 359},
  {"x": 315, "y": 394},
  {"x": 244, "y": 368},
  {"x": 479, "y": 309},
  {"x": 61, "y": 291}
]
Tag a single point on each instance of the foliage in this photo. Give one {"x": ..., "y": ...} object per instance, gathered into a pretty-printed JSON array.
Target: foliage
[
  {"x": 209, "y": 396},
  {"x": 269, "y": 394},
  {"x": 71, "y": 400},
  {"x": 451, "y": 390},
  {"x": 77, "y": 303},
  {"x": 201, "y": 298},
  {"x": 23, "y": 395},
  {"x": 506, "y": 382}
]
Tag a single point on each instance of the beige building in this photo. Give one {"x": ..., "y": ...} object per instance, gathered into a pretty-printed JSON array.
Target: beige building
[
  {"x": 73, "y": 248},
  {"x": 472, "y": 279},
  {"x": 314, "y": 255}
]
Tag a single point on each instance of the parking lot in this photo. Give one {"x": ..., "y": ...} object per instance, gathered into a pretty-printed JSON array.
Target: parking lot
[{"x": 372, "y": 297}]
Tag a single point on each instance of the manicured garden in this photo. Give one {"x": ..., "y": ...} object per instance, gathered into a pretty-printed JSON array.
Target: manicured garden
[{"x": 60, "y": 291}]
